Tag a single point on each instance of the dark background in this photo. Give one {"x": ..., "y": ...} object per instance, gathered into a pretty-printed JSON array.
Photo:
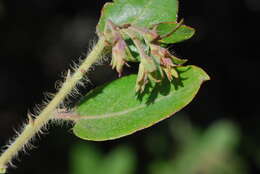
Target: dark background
[{"x": 40, "y": 39}]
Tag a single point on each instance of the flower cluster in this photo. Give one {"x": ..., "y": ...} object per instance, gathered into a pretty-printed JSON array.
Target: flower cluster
[{"x": 156, "y": 62}]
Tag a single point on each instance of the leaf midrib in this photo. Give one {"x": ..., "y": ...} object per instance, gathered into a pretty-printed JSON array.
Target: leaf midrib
[{"x": 113, "y": 114}]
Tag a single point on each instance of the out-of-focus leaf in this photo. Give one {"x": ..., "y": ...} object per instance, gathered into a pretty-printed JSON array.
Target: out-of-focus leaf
[
  {"x": 121, "y": 160},
  {"x": 86, "y": 159},
  {"x": 177, "y": 127},
  {"x": 212, "y": 152}
]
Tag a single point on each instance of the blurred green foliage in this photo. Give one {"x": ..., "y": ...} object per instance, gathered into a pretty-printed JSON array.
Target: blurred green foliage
[
  {"x": 209, "y": 152},
  {"x": 212, "y": 151},
  {"x": 87, "y": 159}
]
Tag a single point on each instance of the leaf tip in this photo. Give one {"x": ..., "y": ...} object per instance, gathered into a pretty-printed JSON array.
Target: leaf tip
[
  {"x": 100, "y": 27},
  {"x": 204, "y": 76}
]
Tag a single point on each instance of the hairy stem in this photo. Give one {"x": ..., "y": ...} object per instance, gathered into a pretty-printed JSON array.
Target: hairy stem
[{"x": 34, "y": 126}]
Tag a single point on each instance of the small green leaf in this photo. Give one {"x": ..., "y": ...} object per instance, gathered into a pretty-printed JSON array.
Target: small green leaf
[
  {"x": 143, "y": 13},
  {"x": 183, "y": 33},
  {"x": 113, "y": 110}
]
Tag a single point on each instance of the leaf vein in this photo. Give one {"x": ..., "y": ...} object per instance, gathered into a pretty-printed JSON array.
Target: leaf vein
[{"x": 121, "y": 112}]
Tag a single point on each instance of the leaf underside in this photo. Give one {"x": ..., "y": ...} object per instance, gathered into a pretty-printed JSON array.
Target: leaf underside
[
  {"x": 143, "y": 13},
  {"x": 146, "y": 13},
  {"x": 113, "y": 110}
]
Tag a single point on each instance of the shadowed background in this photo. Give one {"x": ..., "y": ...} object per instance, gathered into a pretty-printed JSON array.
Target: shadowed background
[{"x": 40, "y": 39}]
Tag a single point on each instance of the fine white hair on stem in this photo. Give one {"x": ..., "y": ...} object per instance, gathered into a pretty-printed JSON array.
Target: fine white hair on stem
[
  {"x": 62, "y": 122},
  {"x": 36, "y": 125},
  {"x": 37, "y": 109},
  {"x": 58, "y": 84},
  {"x": 28, "y": 146},
  {"x": 75, "y": 92}
]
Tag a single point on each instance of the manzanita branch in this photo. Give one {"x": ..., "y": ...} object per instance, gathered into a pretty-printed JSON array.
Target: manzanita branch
[
  {"x": 155, "y": 61},
  {"x": 34, "y": 126},
  {"x": 128, "y": 42}
]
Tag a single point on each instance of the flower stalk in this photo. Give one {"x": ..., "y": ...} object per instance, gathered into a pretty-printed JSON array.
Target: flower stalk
[{"x": 34, "y": 126}]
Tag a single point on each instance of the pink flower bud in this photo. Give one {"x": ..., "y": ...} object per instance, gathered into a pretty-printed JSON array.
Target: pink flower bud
[
  {"x": 156, "y": 62},
  {"x": 118, "y": 56},
  {"x": 141, "y": 79}
]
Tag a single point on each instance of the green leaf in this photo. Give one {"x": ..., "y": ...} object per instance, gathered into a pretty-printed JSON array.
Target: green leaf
[
  {"x": 143, "y": 13},
  {"x": 183, "y": 33},
  {"x": 113, "y": 110}
]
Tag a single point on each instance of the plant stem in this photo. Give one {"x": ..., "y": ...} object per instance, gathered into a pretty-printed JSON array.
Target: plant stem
[{"x": 34, "y": 126}]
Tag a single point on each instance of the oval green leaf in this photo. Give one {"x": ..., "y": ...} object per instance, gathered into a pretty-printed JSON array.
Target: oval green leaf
[
  {"x": 182, "y": 34},
  {"x": 113, "y": 110},
  {"x": 143, "y": 13}
]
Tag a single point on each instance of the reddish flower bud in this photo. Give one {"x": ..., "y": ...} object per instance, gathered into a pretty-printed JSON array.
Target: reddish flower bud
[
  {"x": 167, "y": 61},
  {"x": 118, "y": 56},
  {"x": 141, "y": 79},
  {"x": 156, "y": 62}
]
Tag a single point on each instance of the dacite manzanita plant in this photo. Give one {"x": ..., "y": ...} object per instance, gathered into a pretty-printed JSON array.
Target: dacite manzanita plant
[{"x": 133, "y": 31}]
